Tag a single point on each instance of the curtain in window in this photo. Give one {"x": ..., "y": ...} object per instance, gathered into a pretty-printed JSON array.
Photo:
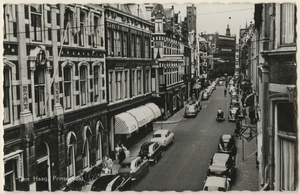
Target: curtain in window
[{"x": 287, "y": 165}]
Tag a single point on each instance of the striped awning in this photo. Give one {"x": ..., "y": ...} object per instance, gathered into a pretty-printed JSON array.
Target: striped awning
[
  {"x": 148, "y": 112},
  {"x": 125, "y": 123},
  {"x": 155, "y": 109},
  {"x": 139, "y": 116}
]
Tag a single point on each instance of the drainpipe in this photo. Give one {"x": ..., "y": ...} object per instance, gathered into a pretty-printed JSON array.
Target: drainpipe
[{"x": 266, "y": 184}]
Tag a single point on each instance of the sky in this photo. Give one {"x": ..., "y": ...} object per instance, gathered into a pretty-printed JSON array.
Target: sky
[{"x": 213, "y": 18}]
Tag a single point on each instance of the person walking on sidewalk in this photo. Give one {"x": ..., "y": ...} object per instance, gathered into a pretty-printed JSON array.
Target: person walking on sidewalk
[
  {"x": 225, "y": 92},
  {"x": 117, "y": 152}
]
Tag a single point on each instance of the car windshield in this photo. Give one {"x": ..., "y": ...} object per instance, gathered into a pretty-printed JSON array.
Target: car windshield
[
  {"x": 126, "y": 165},
  {"x": 156, "y": 135}
]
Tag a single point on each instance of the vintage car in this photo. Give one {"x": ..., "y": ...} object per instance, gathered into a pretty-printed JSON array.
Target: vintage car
[
  {"x": 205, "y": 96},
  {"x": 112, "y": 182},
  {"x": 151, "y": 151},
  {"x": 190, "y": 110},
  {"x": 213, "y": 183},
  {"x": 164, "y": 137},
  {"x": 222, "y": 165},
  {"x": 221, "y": 83},
  {"x": 227, "y": 144},
  {"x": 232, "y": 113},
  {"x": 134, "y": 168}
]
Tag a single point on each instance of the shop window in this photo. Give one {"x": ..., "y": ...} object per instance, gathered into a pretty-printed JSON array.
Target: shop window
[
  {"x": 7, "y": 96},
  {"x": 39, "y": 91},
  {"x": 36, "y": 22},
  {"x": 67, "y": 87},
  {"x": 83, "y": 84}
]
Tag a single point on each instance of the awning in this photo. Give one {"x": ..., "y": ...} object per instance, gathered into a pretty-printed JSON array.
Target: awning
[
  {"x": 125, "y": 123},
  {"x": 148, "y": 112},
  {"x": 155, "y": 109},
  {"x": 139, "y": 116},
  {"x": 249, "y": 101}
]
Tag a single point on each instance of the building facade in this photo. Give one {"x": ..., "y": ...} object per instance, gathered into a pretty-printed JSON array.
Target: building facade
[
  {"x": 169, "y": 56},
  {"x": 271, "y": 68},
  {"x": 55, "y": 98}
]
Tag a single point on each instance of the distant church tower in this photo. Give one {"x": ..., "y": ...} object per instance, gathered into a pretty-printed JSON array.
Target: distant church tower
[{"x": 227, "y": 31}]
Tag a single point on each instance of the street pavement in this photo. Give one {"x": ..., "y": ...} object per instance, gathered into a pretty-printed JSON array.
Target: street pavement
[{"x": 183, "y": 166}]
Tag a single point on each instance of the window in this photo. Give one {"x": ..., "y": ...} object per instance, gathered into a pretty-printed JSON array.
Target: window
[
  {"x": 99, "y": 147},
  {"x": 86, "y": 155},
  {"x": 7, "y": 96},
  {"x": 147, "y": 46},
  {"x": 117, "y": 43},
  {"x": 83, "y": 84},
  {"x": 118, "y": 84},
  {"x": 132, "y": 45},
  {"x": 68, "y": 24},
  {"x": 147, "y": 81},
  {"x": 138, "y": 47},
  {"x": 115, "y": 50},
  {"x": 109, "y": 46},
  {"x": 110, "y": 86},
  {"x": 39, "y": 91},
  {"x": 125, "y": 84},
  {"x": 71, "y": 166},
  {"x": 36, "y": 22},
  {"x": 139, "y": 82},
  {"x": 288, "y": 23},
  {"x": 96, "y": 83},
  {"x": 133, "y": 83},
  {"x": 67, "y": 87},
  {"x": 96, "y": 35},
  {"x": 82, "y": 28},
  {"x": 125, "y": 44}
]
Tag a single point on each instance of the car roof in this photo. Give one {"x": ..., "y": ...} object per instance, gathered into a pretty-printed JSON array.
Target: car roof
[
  {"x": 161, "y": 131},
  {"x": 220, "y": 157},
  {"x": 130, "y": 159},
  {"x": 214, "y": 181},
  {"x": 226, "y": 137},
  {"x": 147, "y": 144}
]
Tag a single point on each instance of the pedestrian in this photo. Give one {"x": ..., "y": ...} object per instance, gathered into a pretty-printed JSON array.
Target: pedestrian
[
  {"x": 109, "y": 164},
  {"x": 122, "y": 156},
  {"x": 117, "y": 152},
  {"x": 225, "y": 92}
]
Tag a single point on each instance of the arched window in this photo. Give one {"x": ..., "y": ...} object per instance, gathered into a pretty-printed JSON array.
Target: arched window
[
  {"x": 67, "y": 87},
  {"x": 71, "y": 148},
  {"x": 83, "y": 84},
  {"x": 7, "y": 96},
  {"x": 99, "y": 127},
  {"x": 97, "y": 85},
  {"x": 39, "y": 91},
  {"x": 86, "y": 155}
]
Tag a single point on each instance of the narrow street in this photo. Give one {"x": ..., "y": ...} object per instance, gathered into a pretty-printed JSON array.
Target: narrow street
[{"x": 184, "y": 165}]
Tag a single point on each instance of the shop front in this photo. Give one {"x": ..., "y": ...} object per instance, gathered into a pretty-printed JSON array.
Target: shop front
[{"x": 13, "y": 170}]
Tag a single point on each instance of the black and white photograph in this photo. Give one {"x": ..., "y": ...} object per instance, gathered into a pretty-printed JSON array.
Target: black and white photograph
[{"x": 149, "y": 96}]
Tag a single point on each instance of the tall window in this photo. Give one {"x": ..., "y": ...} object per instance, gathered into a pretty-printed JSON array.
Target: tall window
[
  {"x": 96, "y": 35},
  {"x": 86, "y": 155},
  {"x": 138, "y": 46},
  {"x": 67, "y": 87},
  {"x": 117, "y": 43},
  {"x": 125, "y": 84},
  {"x": 109, "y": 47},
  {"x": 147, "y": 46},
  {"x": 68, "y": 24},
  {"x": 99, "y": 147},
  {"x": 115, "y": 50},
  {"x": 110, "y": 86},
  {"x": 83, "y": 84},
  {"x": 39, "y": 91},
  {"x": 82, "y": 28},
  {"x": 139, "y": 82},
  {"x": 288, "y": 23},
  {"x": 147, "y": 81},
  {"x": 96, "y": 83},
  {"x": 125, "y": 44},
  {"x": 7, "y": 96},
  {"x": 71, "y": 165},
  {"x": 132, "y": 45},
  {"x": 118, "y": 84},
  {"x": 36, "y": 22},
  {"x": 133, "y": 84}
]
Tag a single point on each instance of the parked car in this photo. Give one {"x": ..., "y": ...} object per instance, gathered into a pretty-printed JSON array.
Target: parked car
[
  {"x": 134, "y": 168},
  {"x": 221, "y": 83},
  {"x": 164, "y": 137},
  {"x": 222, "y": 165},
  {"x": 190, "y": 110},
  {"x": 232, "y": 114},
  {"x": 227, "y": 144},
  {"x": 112, "y": 183},
  {"x": 205, "y": 96},
  {"x": 151, "y": 151},
  {"x": 213, "y": 183}
]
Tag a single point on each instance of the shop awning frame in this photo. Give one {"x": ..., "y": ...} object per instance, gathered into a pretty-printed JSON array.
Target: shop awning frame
[
  {"x": 249, "y": 100},
  {"x": 139, "y": 116},
  {"x": 156, "y": 110},
  {"x": 125, "y": 123}
]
